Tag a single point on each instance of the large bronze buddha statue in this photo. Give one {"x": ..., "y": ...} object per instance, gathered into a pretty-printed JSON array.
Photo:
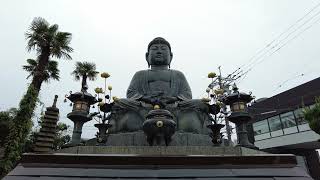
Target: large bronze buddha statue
[{"x": 159, "y": 85}]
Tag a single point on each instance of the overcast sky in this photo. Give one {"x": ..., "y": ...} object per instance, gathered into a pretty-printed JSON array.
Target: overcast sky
[{"x": 203, "y": 35}]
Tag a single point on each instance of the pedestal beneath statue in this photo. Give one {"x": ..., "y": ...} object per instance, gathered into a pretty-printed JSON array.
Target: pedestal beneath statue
[
  {"x": 172, "y": 162},
  {"x": 139, "y": 139}
]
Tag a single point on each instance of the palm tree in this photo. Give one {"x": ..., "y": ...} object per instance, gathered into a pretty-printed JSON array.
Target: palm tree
[
  {"x": 51, "y": 71},
  {"x": 48, "y": 42},
  {"x": 84, "y": 70}
]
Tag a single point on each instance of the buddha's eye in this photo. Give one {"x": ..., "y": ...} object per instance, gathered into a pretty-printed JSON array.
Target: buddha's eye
[{"x": 163, "y": 48}]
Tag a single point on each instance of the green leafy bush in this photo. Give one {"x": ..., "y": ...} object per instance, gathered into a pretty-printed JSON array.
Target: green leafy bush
[
  {"x": 19, "y": 131},
  {"x": 313, "y": 116}
]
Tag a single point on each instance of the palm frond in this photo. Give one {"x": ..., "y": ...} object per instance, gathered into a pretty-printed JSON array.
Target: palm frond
[
  {"x": 60, "y": 45},
  {"x": 30, "y": 67},
  {"x": 85, "y": 68},
  {"x": 41, "y": 35},
  {"x": 36, "y": 35},
  {"x": 53, "y": 70}
]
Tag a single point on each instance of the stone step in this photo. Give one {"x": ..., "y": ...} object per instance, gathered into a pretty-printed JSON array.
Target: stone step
[
  {"x": 51, "y": 117},
  {"x": 42, "y": 149},
  {"x": 49, "y": 125},
  {"x": 43, "y": 144},
  {"x": 44, "y": 139},
  {"x": 52, "y": 114},
  {"x": 46, "y": 134},
  {"x": 45, "y": 129},
  {"x": 52, "y": 109},
  {"x": 50, "y": 121}
]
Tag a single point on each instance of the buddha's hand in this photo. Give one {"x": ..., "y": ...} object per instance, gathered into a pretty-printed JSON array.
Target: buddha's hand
[
  {"x": 169, "y": 99},
  {"x": 147, "y": 99}
]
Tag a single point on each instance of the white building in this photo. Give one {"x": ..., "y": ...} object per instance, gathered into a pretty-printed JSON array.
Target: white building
[{"x": 279, "y": 126}]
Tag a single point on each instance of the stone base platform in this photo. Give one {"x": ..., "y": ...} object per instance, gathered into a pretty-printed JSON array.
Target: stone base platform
[
  {"x": 139, "y": 139},
  {"x": 165, "y": 165},
  {"x": 162, "y": 150}
]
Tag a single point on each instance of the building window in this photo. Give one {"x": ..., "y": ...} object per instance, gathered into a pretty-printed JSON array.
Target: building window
[
  {"x": 288, "y": 120},
  {"x": 298, "y": 113},
  {"x": 260, "y": 127},
  {"x": 289, "y": 123},
  {"x": 275, "y": 126},
  {"x": 275, "y": 123}
]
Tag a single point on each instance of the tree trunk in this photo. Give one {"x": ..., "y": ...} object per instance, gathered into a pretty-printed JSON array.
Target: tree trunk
[
  {"x": 38, "y": 77},
  {"x": 84, "y": 86}
]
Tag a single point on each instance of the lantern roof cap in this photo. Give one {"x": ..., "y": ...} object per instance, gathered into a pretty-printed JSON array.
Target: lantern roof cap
[
  {"x": 82, "y": 96},
  {"x": 237, "y": 96}
]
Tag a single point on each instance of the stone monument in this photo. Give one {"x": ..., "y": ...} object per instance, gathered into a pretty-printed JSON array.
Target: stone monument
[
  {"x": 162, "y": 86},
  {"x": 159, "y": 102}
]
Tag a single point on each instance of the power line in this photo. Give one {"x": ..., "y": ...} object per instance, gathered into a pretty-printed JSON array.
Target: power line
[
  {"x": 287, "y": 80},
  {"x": 283, "y": 40},
  {"x": 255, "y": 59},
  {"x": 284, "y": 32},
  {"x": 284, "y": 44},
  {"x": 287, "y": 42}
]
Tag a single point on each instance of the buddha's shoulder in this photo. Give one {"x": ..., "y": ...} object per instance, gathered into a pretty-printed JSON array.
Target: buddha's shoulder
[
  {"x": 177, "y": 72},
  {"x": 141, "y": 72},
  {"x": 144, "y": 72}
]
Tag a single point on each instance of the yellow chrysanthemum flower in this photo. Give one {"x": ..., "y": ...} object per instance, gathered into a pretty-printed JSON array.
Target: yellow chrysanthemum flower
[
  {"x": 105, "y": 75},
  {"x": 212, "y": 75}
]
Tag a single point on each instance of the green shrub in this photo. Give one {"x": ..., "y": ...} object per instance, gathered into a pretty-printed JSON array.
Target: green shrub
[
  {"x": 19, "y": 131},
  {"x": 313, "y": 116}
]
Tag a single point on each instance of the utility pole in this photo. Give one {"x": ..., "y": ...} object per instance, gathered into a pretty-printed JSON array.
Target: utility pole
[
  {"x": 224, "y": 83},
  {"x": 221, "y": 86}
]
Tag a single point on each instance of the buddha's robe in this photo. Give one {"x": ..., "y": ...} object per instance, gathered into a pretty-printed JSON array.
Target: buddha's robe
[{"x": 187, "y": 111}]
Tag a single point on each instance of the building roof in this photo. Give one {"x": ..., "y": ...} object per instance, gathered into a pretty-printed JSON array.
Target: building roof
[{"x": 286, "y": 101}]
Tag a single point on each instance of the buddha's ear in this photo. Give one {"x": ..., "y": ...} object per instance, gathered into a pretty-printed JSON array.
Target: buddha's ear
[
  {"x": 171, "y": 56},
  {"x": 147, "y": 54}
]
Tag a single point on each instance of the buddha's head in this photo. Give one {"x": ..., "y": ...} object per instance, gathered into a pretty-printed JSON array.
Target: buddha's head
[{"x": 159, "y": 52}]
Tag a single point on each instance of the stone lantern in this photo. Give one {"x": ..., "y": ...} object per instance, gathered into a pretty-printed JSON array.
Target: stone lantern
[
  {"x": 80, "y": 112},
  {"x": 240, "y": 115}
]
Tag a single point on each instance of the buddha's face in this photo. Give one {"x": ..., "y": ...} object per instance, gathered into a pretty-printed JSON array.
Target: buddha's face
[{"x": 159, "y": 54}]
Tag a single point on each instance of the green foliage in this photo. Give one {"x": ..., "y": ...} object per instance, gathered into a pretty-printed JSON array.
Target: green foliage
[
  {"x": 6, "y": 120},
  {"x": 86, "y": 69},
  {"x": 19, "y": 131},
  {"x": 42, "y": 35},
  {"x": 48, "y": 42},
  {"x": 51, "y": 71},
  {"x": 313, "y": 116},
  {"x": 62, "y": 137}
]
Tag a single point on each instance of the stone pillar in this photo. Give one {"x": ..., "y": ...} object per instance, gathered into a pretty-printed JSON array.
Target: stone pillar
[
  {"x": 242, "y": 134},
  {"x": 45, "y": 138},
  {"x": 77, "y": 131}
]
